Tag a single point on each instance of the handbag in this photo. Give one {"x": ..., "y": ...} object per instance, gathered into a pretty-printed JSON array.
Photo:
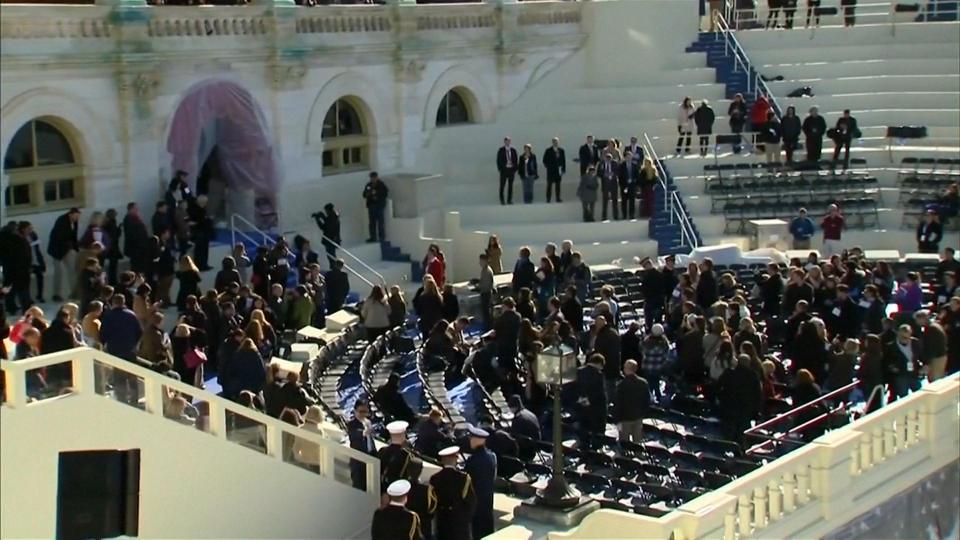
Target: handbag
[{"x": 194, "y": 358}]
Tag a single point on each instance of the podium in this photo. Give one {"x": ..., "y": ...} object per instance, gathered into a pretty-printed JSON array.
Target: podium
[{"x": 769, "y": 233}]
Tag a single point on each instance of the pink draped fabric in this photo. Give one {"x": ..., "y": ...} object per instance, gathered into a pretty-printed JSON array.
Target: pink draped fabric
[{"x": 221, "y": 114}]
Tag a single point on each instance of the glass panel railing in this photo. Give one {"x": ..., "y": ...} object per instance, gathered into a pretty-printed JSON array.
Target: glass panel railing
[
  {"x": 302, "y": 452},
  {"x": 186, "y": 409},
  {"x": 49, "y": 381},
  {"x": 246, "y": 431},
  {"x": 119, "y": 385}
]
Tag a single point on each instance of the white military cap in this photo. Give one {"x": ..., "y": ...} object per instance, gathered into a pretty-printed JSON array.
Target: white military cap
[
  {"x": 395, "y": 428},
  {"x": 398, "y": 488}
]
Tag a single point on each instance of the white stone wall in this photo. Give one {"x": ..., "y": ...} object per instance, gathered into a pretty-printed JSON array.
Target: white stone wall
[{"x": 117, "y": 81}]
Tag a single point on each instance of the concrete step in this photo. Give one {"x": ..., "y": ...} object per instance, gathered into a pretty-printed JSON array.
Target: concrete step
[
  {"x": 837, "y": 38},
  {"x": 824, "y": 69},
  {"x": 872, "y": 83},
  {"x": 813, "y": 53},
  {"x": 880, "y": 100}
]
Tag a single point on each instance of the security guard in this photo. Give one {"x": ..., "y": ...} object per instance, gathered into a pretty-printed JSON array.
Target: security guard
[
  {"x": 394, "y": 521},
  {"x": 482, "y": 468},
  {"x": 422, "y": 499},
  {"x": 395, "y": 458},
  {"x": 455, "y": 498}
]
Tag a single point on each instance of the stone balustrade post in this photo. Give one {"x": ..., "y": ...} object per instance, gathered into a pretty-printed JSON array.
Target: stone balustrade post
[{"x": 831, "y": 466}]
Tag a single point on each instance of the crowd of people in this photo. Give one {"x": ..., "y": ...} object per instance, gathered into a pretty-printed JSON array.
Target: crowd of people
[{"x": 615, "y": 174}]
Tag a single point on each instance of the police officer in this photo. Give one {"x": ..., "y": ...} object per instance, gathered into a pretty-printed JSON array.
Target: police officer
[
  {"x": 482, "y": 468},
  {"x": 422, "y": 499},
  {"x": 395, "y": 458},
  {"x": 456, "y": 499},
  {"x": 394, "y": 521}
]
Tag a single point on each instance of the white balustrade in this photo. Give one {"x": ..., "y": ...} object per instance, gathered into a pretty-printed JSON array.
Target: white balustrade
[{"x": 157, "y": 389}]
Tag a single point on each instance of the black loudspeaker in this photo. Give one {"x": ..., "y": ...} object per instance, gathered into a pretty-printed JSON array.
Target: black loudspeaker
[
  {"x": 907, "y": 132},
  {"x": 98, "y": 494},
  {"x": 906, "y": 8}
]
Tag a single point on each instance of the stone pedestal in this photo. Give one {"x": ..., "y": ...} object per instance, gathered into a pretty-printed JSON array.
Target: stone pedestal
[
  {"x": 564, "y": 518},
  {"x": 769, "y": 233}
]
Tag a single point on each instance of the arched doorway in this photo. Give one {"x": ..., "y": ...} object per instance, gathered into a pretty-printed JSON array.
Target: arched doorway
[
  {"x": 346, "y": 137},
  {"x": 44, "y": 168},
  {"x": 220, "y": 137}
]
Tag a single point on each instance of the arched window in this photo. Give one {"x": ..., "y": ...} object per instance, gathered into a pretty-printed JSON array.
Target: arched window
[
  {"x": 44, "y": 172},
  {"x": 346, "y": 145},
  {"x": 453, "y": 110}
]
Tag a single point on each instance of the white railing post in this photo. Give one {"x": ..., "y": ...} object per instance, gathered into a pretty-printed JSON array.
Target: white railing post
[
  {"x": 834, "y": 481},
  {"x": 773, "y": 498},
  {"x": 15, "y": 385},
  {"x": 84, "y": 379},
  {"x": 803, "y": 485},
  {"x": 743, "y": 511},
  {"x": 218, "y": 419},
  {"x": 274, "y": 441},
  {"x": 153, "y": 395},
  {"x": 759, "y": 507},
  {"x": 789, "y": 493}
]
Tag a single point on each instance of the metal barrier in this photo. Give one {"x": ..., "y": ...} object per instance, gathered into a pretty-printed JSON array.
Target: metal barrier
[
  {"x": 755, "y": 83},
  {"x": 870, "y": 13},
  {"x": 671, "y": 201}
]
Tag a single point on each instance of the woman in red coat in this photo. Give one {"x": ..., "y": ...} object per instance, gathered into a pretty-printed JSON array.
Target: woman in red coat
[
  {"x": 758, "y": 113},
  {"x": 435, "y": 265}
]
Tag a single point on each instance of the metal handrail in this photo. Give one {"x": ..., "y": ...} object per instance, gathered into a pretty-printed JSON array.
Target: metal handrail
[
  {"x": 755, "y": 83},
  {"x": 873, "y": 13},
  {"x": 784, "y": 437},
  {"x": 268, "y": 241},
  {"x": 326, "y": 239},
  {"x": 671, "y": 200},
  {"x": 805, "y": 406}
]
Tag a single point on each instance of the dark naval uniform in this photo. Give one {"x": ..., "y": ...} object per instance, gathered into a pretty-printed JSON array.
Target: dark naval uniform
[
  {"x": 422, "y": 499},
  {"x": 456, "y": 501},
  {"x": 482, "y": 468},
  {"x": 394, "y": 460},
  {"x": 394, "y": 522}
]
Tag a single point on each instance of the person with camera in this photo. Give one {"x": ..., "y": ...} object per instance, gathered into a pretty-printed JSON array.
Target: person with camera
[{"x": 329, "y": 223}]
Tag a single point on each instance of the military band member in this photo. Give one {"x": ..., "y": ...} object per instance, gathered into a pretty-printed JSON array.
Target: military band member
[
  {"x": 455, "y": 498},
  {"x": 394, "y": 521}
]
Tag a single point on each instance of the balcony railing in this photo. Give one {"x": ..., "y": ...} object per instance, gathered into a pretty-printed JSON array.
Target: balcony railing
[
  {"x": 821, "y": 485},
  {"x": 88, "y": 372}
]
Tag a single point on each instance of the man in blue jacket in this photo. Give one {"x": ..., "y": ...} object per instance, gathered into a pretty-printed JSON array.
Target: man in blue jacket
[
  {"x": 802, "y": 230},
  {"x": 120, "y": 330},
  {"x": 482, "y": 468}
]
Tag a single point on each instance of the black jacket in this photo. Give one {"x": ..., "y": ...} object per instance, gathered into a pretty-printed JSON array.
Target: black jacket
[
  {"x": 629, "y": 175},
  {"x": 607, "y": 343},
  {"x": 703, "y": 117},
  {"x": 814, "y": 127},
  {"x": 507, "y": 328},
  {"x": 528, "y": 166},
  {"x": 524, "y": 275},
  {"x": 63, "y": 237},
  {"x": 592, "y": 391},
  {"x": 329, "y": 224},
  {"x": 554, "y": 161},
  {"x": 502, "y": 158},
  {"x": 375, "y": 194},
  {"x": 707, "y": 290},
  {"x": 928, "y": 236},
  {"x": 632, "y": 400},
  {"x": 572, "y": 311},
  {"x": 338, "y": 287},
  {"x": 846, "y": 130},
  {"x": 739, "y": 393},
  {"x": 770, "y": 132},
  {"x": 136, "y": 238},
  {"x": 790, "y": 128},
  {"x": 589, "y": 155}
]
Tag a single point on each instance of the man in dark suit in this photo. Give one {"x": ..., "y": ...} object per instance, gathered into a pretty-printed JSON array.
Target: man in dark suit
[
  {"x": 422, "y": 499},
  {"x": 456, "y": 499},
  {"x": 651, "y": 285},
  {"x": 17, "y": 261},
  {"x": 592, "y": 399},
  {"x": 628, "y": 178},
  {"x": 555, "y": 163},
  {"x": 609, "y": 171},
  {"x": 589, "y": 155},
  {"x": 901, "y": 358},
  {"x": 507, "y": 160},
  {"x": 338, "y": 286},
  {"x": 503, "y": 445},
  {"x": 507, "y": 330},
  {"x": 636, "y": 152},
  {"x": 62, "y": 247},
  {"x": 524, "y": 272},
  {"x": 482, "y": 468},
  {"x": 394, "y": 521},
  {"x": 360, "y": 433},
  {"x": 375, "y": 193},
  {"x": 525, "y": 428},
  {"x": 430, "y": 435},
  {"x": 631, "y": 403}
]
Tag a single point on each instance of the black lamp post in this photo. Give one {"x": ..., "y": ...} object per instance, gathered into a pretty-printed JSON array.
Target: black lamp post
[{"x": 554, "y": 365}]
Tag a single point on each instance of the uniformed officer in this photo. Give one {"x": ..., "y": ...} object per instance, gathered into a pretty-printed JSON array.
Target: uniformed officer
[
  {"x": 394, "y": 458},
  {"x": 482, "y": 468},
  {"x": 394, "y": 521},
  {"x": 456, "y": 499},
  {"x": 422, "y": 499}
]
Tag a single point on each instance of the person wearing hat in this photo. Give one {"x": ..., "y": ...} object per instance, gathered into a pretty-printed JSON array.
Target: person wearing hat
[
  {"x": 375, "y": 193},
  {"x": 395, "y": 457},
  {"x": 502, "y": 444},
  {"x": 482, "y": 468},
  {"x": 456, "y": 499},
  {"x": 422, "y": 499},
  {"x": 929, "y": 232},
  {"x": 394, "y": 521}
]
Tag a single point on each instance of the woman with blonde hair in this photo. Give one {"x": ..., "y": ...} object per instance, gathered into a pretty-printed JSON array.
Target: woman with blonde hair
[
  {"x": 428, "y": 303},
  {"x": 259, "y": 316},
  {"x": 188, "y": 276},
  {"x": 375, "y": 313},
  {"x": 306, "y": 452},
  {"x": 647, "y": 182},
  {"x": 254, "y": 331}
]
